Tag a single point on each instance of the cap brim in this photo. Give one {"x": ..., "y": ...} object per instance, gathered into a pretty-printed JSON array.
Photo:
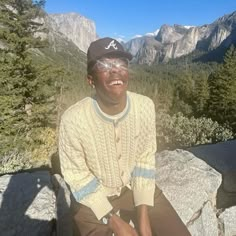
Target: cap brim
[
  {"x": 120, "y": 54},
  {"x": 116, "y": 54}
]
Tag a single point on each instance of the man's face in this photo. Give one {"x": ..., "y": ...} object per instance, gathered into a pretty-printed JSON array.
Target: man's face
[{"x": 110, "y": 77}]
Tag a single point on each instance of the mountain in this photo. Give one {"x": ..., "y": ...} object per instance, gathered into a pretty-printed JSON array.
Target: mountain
[
  {"x": 80, "y": 30},
  {"x": 60, "y": 49},
  {"x": 69, "y": 36},
  {"x": 176, "y": 41},
  {"x": 170, "y": 42},
  {"x": 135, "y": 44}
]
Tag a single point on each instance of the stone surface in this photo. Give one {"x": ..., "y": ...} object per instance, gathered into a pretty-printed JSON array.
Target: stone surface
[
  {"x": 149, "y": 52},
  {"x": 171, "y": 34},
  {"x": 32, "y": 202},
  {"x": 27, "y": 204},
  {"x": 64, "y": 217},
  {"x": 228, "y": 219},
  {"x": 187, "y": 181},
  {"x": 191, "y": 186},
  {"x": 205, "y": 223},
  {"x": 135, "y": 44}
]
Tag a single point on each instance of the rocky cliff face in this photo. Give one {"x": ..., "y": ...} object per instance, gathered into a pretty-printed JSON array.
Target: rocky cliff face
[
  {"x": 150, "y": 52},
  {"x": 59, "y": 43},
  {"x": 80, "y": 30},
  {"x": 135, "y": 44},
  {"x": 171, "y": 34},
  {"x": 175, "y": 41},
  {"x": 145, "y": 48}
]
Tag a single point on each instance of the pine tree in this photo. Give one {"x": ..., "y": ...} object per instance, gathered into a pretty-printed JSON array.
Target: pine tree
[
  {"x": 222, "y": 84},
  {"x": 183, "y": 94},
  {"x": 19, "y": 80},
  {"x": 200, "y": 95}
]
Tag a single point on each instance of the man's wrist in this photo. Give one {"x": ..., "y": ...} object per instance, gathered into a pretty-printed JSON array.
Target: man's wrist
[
  {"x": 106, "y": 218},
  {"x": 142, "y": 209},
  {"x": 142, "y": 213}
]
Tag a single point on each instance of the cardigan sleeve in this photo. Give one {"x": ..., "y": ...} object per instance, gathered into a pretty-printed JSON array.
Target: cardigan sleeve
[
  {"x": 84, "y": 185},
  {"x": 143, "y": 175}
]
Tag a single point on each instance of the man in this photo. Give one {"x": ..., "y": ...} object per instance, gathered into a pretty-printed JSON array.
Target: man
[{"x": 107, "y": 148}]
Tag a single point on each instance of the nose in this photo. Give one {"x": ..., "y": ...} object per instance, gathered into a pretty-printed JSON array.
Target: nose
[{"x": 114, "y": 68}]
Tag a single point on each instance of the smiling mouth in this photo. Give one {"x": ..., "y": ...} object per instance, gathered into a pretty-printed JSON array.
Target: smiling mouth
[{"x": 116, "y": 82}]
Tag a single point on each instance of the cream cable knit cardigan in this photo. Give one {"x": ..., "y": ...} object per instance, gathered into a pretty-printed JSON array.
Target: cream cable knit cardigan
[{"x": 99, "y": 155}]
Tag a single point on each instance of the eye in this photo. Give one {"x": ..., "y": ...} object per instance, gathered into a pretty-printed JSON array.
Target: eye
[
  {"x": 106, "y": 65},
  {"x": 121, "y": 65},
  {"x": 102, "y": 65},
  {"x": 118, "y": 64}
]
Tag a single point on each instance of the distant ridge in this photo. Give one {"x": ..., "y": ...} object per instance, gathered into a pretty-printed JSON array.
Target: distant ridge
[{"x": 177, "y": 40}]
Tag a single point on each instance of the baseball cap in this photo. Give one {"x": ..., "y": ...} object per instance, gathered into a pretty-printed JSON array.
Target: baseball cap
[{"x": 106, "y": 47}]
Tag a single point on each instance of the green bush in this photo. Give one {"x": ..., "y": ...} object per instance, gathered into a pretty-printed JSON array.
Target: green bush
[{"x": 178, "y": 131}]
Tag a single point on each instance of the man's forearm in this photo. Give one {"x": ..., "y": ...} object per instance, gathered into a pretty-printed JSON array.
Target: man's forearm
[
  {"x": 143, "y": 220},
  {"x": 142, "y": 211}
]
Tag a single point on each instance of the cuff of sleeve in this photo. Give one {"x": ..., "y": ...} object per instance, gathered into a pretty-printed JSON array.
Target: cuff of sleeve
[
  {"x": 144, "y": 197},
  {"x": 101, "y": 208}
]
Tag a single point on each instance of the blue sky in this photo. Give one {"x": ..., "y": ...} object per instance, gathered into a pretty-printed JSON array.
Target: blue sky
[{"x": 127, "y": 18}]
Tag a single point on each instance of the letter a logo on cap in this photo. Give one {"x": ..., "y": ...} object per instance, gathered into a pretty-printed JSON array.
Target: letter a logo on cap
[{"x": 112, "y": 44}]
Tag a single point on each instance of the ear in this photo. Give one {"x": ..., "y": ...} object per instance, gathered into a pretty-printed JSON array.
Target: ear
[{"x": 90, "y": 80}]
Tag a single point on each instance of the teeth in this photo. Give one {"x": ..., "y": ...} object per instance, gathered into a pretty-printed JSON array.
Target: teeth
[{"x": 116, "y": 82}]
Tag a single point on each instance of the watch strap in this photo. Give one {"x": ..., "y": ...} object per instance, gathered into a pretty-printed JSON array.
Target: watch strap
[{"x": 106, "y": 218}]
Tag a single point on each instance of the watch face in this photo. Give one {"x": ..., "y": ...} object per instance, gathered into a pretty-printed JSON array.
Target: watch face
[{"x": 104, "y": 220}]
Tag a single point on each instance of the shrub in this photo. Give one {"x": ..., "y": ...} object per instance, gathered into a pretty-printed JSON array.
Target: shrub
[
  {"x": 41, "y": 144},
  {"x": 15, "y": 161},
  {"x": 178, "y": 131}
]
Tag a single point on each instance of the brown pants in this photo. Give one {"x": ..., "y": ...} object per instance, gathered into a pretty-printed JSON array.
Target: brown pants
[{"x": 163, "y": 218}]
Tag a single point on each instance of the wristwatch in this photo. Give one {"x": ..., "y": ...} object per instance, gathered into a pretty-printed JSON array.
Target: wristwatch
[{"x": 105, "y": 219}]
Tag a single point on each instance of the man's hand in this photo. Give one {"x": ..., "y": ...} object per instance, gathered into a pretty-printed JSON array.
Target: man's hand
[
  {"x": 120, "y": 227},
  {"x": 143, "y": 221}
]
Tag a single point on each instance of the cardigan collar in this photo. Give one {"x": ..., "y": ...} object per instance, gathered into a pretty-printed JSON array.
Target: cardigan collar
[{"x": 115, "y": 118}]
